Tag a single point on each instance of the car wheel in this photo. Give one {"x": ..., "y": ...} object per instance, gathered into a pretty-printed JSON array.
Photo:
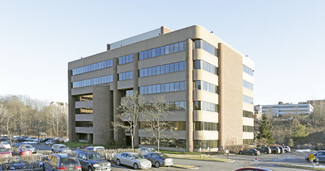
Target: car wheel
[
  {"x": 240, "y": 153},
  {"x": 118, "y": 162},
  {"x": 135, "y": 166},
  {"x": 157, "y": 164},
  {"x": 90, "y": 168}
]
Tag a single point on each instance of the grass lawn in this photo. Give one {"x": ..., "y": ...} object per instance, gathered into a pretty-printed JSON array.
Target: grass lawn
[
  {"x": 198, "y": 157},
  {"x": 303, "y": 167}
]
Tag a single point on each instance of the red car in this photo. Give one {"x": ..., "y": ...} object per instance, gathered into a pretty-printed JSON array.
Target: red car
[
  {"x": 23, "y": 152},
  {"x": 5, "y": 152}
]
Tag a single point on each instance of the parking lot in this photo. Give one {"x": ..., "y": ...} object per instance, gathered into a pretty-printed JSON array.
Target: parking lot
[{"x": 271, "y": 161}]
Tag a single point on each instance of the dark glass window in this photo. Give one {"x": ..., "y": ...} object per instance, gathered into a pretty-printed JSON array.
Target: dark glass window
[{"x": 93, "y": 67}]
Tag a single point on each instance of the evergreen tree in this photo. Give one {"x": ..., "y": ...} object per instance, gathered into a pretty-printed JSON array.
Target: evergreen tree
[{"x": 265, "y": 130}]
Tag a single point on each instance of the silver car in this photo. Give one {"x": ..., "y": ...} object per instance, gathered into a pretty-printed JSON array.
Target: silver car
[
  {"x": 132, "y": 159},
  {"x": 60, "y": 148},
  {"x": 159, "y": 159}
]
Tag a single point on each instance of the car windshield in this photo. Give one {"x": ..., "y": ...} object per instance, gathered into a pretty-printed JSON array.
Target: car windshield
[
  {"x": 99, "y": 149},
  {"x": 28, "y": 146},
  {"x": 69, "y": 161},
  {"x": 3, "y": 149},
  {"x": 63, "y": 147},
  {"x": 164, "y": 156},
  {"x": 153, "y": 150},
  {"x": 137, "y": 156},
  {"x": 95, "y": 157}
]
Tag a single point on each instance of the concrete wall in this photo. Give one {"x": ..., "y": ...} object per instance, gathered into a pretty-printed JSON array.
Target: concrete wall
[{"x": 230, "y": 97}]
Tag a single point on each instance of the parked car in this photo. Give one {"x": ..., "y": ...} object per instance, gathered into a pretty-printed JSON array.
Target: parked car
[
  {"x": 43, "y": 140},
  {"x": 40, "y": 164},
  {"x": 91, "y": 160},
  {"x": 159, "y": 159},
  {"x": 319, "y": 157},
  {"x": 5, "y": 144},
  {"x": 22, "y": 152},
  {"x": 29, "y": 147},
  {"x": 4, "y": 152},
  {"x": 266, "y": 150},
  {"x": 60, "y": 148},
  {"x": 4, "y": 138},
  {"x": 281, "y": 149},
  {"x": 287, "y": 149},
  {"x": 253, "y": 169},
  {"x": 132, "y": 159},
  {"x": 50, "y": 142},
  {"x": 16, "y": 163},
  {"x": 275, "y": 150},
  {"x": 61, "y": 161},
  {"x": 251, "y": 151},
  {"x": 98, "y": 149},
  {"x": 145, "y": 150}
]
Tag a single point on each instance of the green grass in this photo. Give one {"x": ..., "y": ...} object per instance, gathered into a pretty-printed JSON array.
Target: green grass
[
  {"x": 179, "y": 152},
  {"x": 302, "y": 167},
  {"x": 198, "y": 157}
]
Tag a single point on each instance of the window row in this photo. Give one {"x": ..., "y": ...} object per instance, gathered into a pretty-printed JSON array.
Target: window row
[
  {"x": 205, "y": 126},
  {"x": 163, "y": 69},
  {"x": 164, "y": 50},
  {"x": 84, "y": 124},
  {"x": 203, "y": 85},
  {"x": 177, "y": 106},
  {"x": 204, "y": 144},
  {"x": 93, "y": 81},
  {"x": 84, "y": 111},
  {"x": 164, "y": 142},
  {"x": 248, "y": 128},
  {"x": 93, "y": 67},
  {"x": 202, "y": 105},
  {"x": 248, "y": 99},
  {"x": 163, "y": 88},
  {"x": 175, "y": 125},
  {"x": 200, "y": 64},
  {"x": 85, "y": 97},
  {"x": 247, "y": 114},
  {"x": 201, "y": 44},
  {"x": 248, "y": 141},
  {"x": 125, "y": 59},
  {"x": 125, "y": 75},
  {"x": 248, "y": 70},
  {"x": 248, "y": 85}
]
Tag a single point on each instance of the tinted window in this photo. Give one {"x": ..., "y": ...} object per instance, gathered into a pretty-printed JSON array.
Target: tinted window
[{"x": 69, "y": 161}]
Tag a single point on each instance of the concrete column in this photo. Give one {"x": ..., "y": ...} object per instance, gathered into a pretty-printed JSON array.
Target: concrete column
[
  {"x": 71, "y": 119},
  {"x": 119, "y": 135},
  {"x": 103, "y": 114},
  {"x": 189, "y": 95},
  {"x": 136, "y": 88}
]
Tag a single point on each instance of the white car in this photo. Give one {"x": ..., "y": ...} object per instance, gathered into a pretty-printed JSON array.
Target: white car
[
  {"x": 60, "y": 148},
  {"x": 49, "y": 142},
  {"x": 5, "y": 144},
  {"x": 132, "y": 159}
]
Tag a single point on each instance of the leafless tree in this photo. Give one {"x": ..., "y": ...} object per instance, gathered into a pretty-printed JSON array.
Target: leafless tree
[
  {"x": 128, "y": 118},
  {"x": 155, "y": 119}
]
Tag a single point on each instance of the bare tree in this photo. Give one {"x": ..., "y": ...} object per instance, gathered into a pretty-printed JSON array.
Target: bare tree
[
  {"x": 155, "y": 118},
  {"x": 7, "y": 120},
  {"x": 128, "y": 118}
]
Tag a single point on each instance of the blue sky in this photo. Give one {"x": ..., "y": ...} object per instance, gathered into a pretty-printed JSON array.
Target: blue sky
[{"x": 284, "y": 38}]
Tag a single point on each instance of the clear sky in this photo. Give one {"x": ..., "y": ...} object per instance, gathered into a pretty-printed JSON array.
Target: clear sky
[{"x": 285, "y": 39}]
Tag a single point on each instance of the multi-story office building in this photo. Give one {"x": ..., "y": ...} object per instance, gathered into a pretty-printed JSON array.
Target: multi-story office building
[
  {"x": 287, "y": 109},
  {"x": 209, "y": 83}
]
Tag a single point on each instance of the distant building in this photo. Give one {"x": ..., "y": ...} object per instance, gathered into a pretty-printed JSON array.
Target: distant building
[{"x": 287, "y": 109}]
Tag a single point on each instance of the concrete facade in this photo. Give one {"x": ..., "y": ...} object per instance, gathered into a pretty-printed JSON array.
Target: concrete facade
[{"x": 209, "y": 83}]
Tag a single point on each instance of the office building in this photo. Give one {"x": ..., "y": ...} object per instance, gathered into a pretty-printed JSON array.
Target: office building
[
  {"x": 287, "y": 109},
  {"x": 209, "y": 82}
]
